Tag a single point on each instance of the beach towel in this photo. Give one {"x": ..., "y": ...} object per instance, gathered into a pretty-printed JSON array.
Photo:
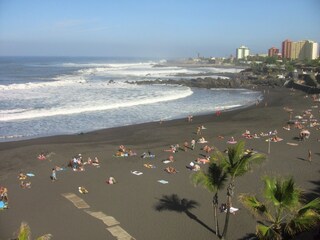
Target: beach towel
[
  {"x": 274, "y": 140},
  {"x": 2, "y": 205},
  {"x": 163, "y": 181},
  {"x": 232, "y": 142},
  {"x": 166, "y": 161},
  {"x": 136, "y": 173},
  {"x": 232, "y": 210},
  {"x": 292, "y": 144}
]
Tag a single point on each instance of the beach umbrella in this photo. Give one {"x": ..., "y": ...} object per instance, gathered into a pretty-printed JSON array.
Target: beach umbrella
[{"x": 305, "y": 132}]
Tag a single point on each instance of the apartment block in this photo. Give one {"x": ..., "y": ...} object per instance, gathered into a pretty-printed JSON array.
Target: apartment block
[
  {"x": 301, "y": 50},
  {"x": 242, "y": 52},
  {"x": 273, "y": 52}
]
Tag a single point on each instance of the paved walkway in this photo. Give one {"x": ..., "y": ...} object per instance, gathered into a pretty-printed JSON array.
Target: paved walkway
[{"x": 113, "y": 226}]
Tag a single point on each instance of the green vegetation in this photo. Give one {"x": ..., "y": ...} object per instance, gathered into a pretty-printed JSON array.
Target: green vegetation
[
  {"x": 223, "y": 168},
  {"x": 283, "y": 214},
  {"x": 25, "y": 233}
]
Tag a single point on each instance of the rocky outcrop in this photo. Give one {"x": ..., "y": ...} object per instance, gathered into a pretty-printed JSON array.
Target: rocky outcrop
[{"x": 207, "y": 82}]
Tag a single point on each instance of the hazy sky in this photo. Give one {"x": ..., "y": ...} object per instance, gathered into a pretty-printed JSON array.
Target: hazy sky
[{"x": 150, "y": 28}]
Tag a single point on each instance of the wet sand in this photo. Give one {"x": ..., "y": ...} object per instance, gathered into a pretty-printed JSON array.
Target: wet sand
[{"x": 129, "y": 207}]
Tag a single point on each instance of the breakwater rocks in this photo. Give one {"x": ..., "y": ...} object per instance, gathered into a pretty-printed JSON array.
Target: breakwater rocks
[{"x": 236, "y": 81}]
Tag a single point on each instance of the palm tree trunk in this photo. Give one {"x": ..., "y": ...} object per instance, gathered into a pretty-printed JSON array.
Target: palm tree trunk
[
  {"x": 215, "y": 207},
  {"x": 230, "y": 191}
]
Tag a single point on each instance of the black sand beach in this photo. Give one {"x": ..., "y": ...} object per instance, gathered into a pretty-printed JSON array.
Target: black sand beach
[{"x": 133, "y": 200}]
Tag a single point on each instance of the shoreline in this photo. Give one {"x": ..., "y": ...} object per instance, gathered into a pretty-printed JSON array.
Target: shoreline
[
  {"x": 197, "y": 86},
  {"x": 133, "y": 199}
]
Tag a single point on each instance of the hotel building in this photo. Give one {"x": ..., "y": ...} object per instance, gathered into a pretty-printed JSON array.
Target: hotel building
[
  {"x": 242, "y": 52},
  {"x": 273, "y": 52},
  {"x": 301, "y": 50},
  {"x": 286, "y": 49}
]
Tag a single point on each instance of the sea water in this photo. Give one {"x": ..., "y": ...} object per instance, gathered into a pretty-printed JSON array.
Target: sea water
[{"x": 42, "y": 96}]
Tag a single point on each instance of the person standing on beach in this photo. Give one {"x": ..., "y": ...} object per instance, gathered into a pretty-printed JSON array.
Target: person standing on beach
[
  {"x": 186, "y": 144},
  {"x": 53, "y": 175},
  {"x": 193, "y": 144},
  {"x": 309, "y": 155},
  {"x": 199, "y": 130}
]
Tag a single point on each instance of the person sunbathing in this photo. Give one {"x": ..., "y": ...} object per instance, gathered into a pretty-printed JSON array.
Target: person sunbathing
[
  {"x": 147, "y": 155},
  {"x": 4, "y": 196},
  {"x": 24, "y": 184},
  {"x": 203, "y": 160},
  {"x": 172, "y": 149},
  {"x": 83, "y": 190},
  {"x": 202, "y": 140},
  {"x": 232, "y": 140},
  {"x": 111, "y": 180},
  {"x": 95, "y": 161},
  {"x": 194, "y": 167},
  {"x": 276, "y": 139},
  {"x": 207, "y": 149},
  {"x": 170, "y": 170},
  {"x": 41, "y": 156},
  {"x": 132, "y": 153},
  {"x": 22, "y": 176},
  {"x": 122, "y": 148}
]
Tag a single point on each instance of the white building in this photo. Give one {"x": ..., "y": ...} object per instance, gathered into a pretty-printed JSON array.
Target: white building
[
  {"x": 242, "y": 52},
  {"x": 311, "y": 51}
]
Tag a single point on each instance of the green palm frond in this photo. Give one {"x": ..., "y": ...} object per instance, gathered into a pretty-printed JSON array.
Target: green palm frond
[
  {"x": 24, "y": 232},
  {"x": 283, "y": 212},
  {"x": 217, "y": 176},
  {"x": 302, "y": 222},
  {"x": 45, "y": 237},
  {"x": 236, "y": 152},
  {"x": 267, "y": 233},
  {"x": 238, "y": 163},
  {"x": 255, "y": 206},
  {"x": 213, "y": 180},
  {"x": 217, "y": 157},
  {"x": 314, "y": 205},
  {"x": 269, "y": 189},
  {"x": 291, "y": 194},
  {"x": 281, "y": 192}
]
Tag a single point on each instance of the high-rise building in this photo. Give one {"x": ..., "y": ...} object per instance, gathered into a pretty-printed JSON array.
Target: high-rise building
[
  {"x": 273, "y": 52},
  {"x": 312, "y": 50},
  {"x": 305, "y": 49},
  {"x": 286, "y": 49},
  {"x": 242, "y": 52}
]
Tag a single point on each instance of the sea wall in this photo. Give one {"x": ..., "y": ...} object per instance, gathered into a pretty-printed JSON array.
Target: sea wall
[{"x": 304, "y": 88}]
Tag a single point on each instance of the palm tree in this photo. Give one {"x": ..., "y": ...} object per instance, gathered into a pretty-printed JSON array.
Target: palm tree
[
  {"x": 283, "y": 214},
  {"x": 213, "y": 180},
  {"x": 25, "y": 233},
  {"x": 236, "y": 164}
]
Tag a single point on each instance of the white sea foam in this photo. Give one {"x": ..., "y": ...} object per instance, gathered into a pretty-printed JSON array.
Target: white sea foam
[
  {"x": 77, "y": 96},
  {"x": 75, "y": 107}
]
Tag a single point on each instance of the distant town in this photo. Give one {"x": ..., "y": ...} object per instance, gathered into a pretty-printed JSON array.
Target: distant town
[
  {"x": 296, "y": 66},
  {"x": 303, "y": 50}
]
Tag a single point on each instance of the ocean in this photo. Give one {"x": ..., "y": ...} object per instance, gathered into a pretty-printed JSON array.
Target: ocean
[{"x": 46, "y": 96}]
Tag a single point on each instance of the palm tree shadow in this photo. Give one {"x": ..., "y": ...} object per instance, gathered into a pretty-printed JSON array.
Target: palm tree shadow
[{"x": 174, "y": 203}]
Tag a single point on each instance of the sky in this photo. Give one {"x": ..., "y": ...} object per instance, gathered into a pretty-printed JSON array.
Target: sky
[{"x": 149, "y": 28}]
